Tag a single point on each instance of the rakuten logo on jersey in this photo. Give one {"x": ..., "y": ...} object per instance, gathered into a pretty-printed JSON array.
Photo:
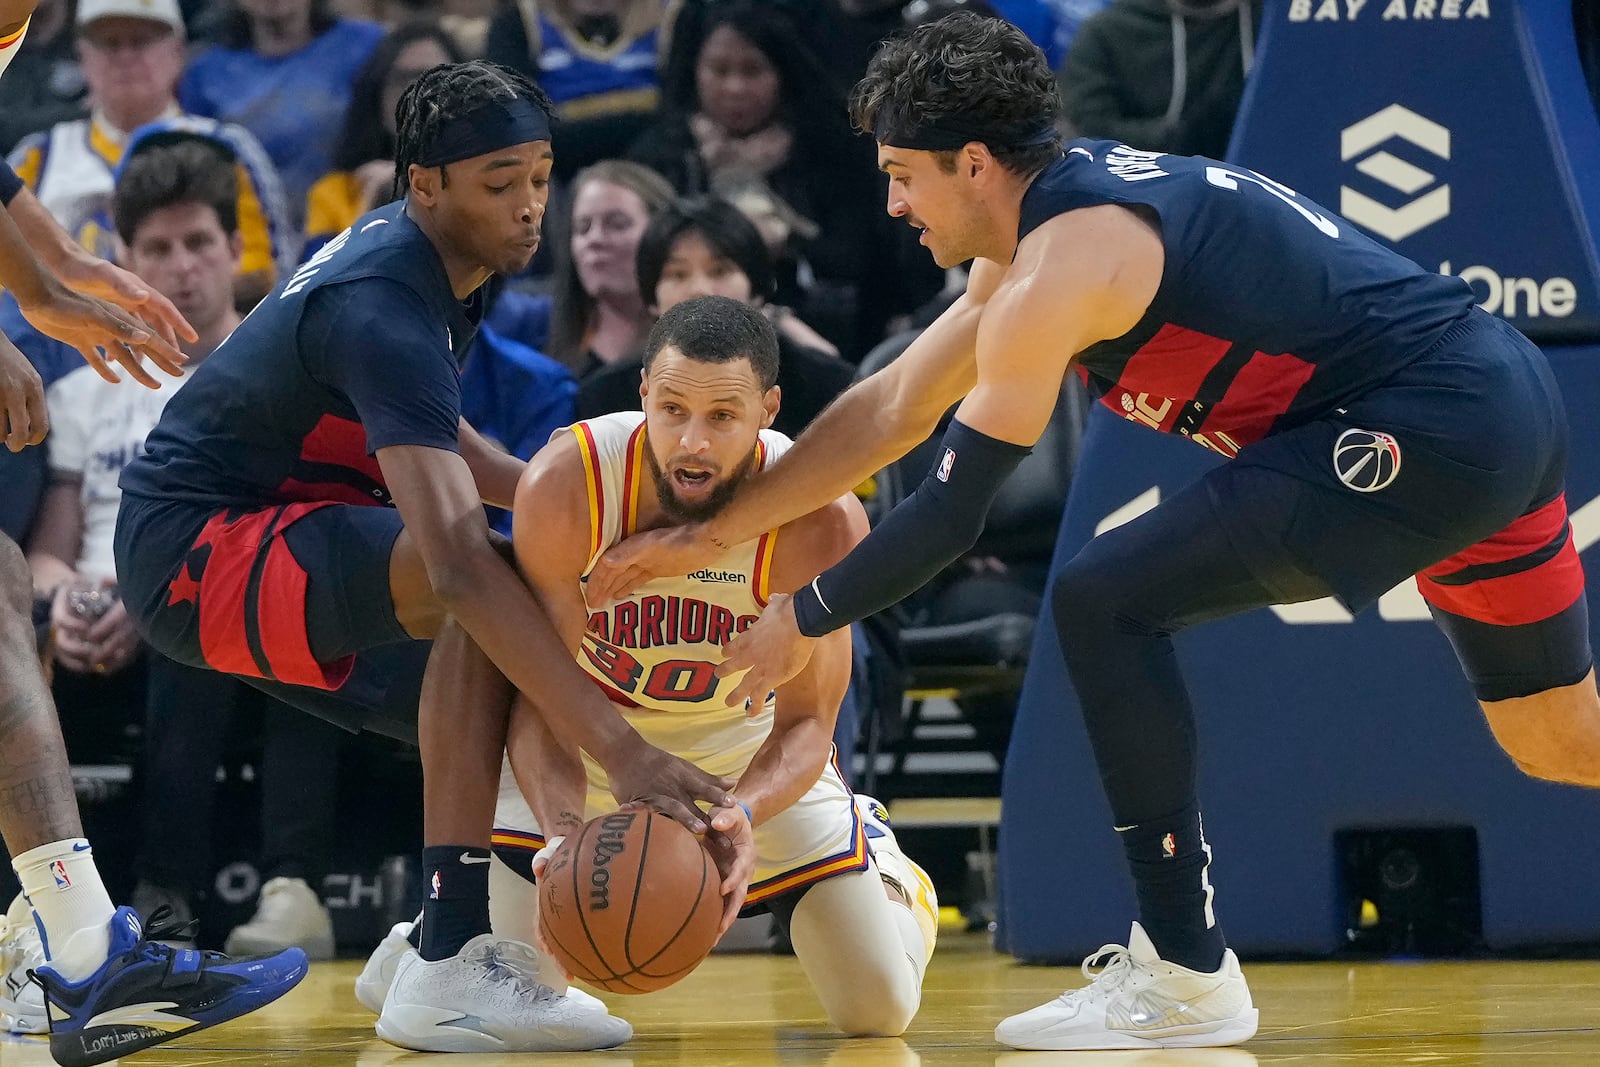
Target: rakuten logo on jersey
[
  {"x": 1514, "y": 298},
  {"x": 1423, "y": 209}
]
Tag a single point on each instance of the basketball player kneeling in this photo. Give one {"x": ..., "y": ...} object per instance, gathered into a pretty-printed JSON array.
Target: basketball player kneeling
[{"x": 861, "y": 916}]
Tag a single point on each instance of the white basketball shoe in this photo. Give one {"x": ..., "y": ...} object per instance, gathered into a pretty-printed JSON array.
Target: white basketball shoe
[
  {"x": 1140, "y": 1001},
  {"x": 896, "y": 868},
  {"x": 21, "y": 998},
  {"x": 487, "y": 998},
  {"x": 372, "y": 985}
]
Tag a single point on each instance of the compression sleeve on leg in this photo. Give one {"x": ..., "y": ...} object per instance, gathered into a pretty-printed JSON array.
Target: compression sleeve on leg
[{"x": 919, "y": 538}]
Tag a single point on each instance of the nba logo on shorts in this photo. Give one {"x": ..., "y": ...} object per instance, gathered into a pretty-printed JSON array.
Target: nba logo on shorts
[
  {"x": 1169, "y": 846},
  {"x": 59, "y": 870},
  {"x": 946, "y": 464},
  {"x": 1366, "y": 460}
]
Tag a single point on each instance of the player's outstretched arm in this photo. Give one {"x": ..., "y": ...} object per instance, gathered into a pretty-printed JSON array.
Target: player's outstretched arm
[
  {"x": 87, "y": 323},
  {"x": 438, "y": 499},
  {"x": 873, "y": 423},
  {"x": 1075, "y": 281},
  {"x": 85, "y": 272}
]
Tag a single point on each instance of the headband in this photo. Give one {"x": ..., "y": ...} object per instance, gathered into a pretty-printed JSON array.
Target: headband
[
  {"x": 489, "y": 128},
  {"x": 947, "y": 133}
]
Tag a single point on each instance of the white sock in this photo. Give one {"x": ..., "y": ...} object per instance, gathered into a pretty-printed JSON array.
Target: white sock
[{"x": 71, "y": 904}]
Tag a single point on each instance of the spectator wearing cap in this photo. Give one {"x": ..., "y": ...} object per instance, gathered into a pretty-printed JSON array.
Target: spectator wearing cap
[
  {"x": 132, "y": 55},
  {"x": 284, "y": 70}
]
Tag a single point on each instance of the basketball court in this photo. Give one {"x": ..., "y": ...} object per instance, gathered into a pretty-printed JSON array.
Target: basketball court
[{"x": 758, "y": 1009}]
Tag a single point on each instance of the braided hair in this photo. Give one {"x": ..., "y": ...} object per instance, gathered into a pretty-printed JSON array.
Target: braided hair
[{"x": 446, "y": 94}]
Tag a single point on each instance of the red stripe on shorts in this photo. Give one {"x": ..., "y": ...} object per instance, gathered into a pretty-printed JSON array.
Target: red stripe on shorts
[
  {"x": 280, "y": 602},
  {"x": 1527, "y": 534},
  {"x": 1512, "y": 599}
]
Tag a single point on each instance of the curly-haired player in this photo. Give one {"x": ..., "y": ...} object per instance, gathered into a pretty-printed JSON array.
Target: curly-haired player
[{"x": 1379, "y": 426}]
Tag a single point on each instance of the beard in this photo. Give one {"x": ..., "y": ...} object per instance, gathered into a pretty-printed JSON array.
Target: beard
[{"x": 698, "y": 510}]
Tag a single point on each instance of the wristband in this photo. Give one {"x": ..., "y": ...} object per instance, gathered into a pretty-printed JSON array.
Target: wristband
[{"x": 747, "y": 816}]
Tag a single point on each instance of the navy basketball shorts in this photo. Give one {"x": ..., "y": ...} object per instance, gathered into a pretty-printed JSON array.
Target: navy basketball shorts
[
  {"x": 1452, "y": 471},
  {"x": 293, "y": 598}
]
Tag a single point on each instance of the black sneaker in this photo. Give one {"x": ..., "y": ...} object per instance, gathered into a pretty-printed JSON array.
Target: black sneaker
[{"x": 147, "y": 993}]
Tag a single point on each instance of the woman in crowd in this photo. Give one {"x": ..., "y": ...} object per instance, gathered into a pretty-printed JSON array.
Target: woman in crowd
[
  {"x": 363, "y": 162},
  {"x": 703, "y": 247},
  {"x": 749, "y": 115}
]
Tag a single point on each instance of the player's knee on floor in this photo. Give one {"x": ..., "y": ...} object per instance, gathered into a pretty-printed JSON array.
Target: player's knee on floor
[
  {"x": 860, "y": 964},
  {"x": 16, "y": 581}
]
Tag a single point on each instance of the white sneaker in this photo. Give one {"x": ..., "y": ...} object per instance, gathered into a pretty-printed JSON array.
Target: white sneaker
[
  {"x": 488, "y": 998},
  {"x": 896, "y": 868},
  {"x": 21, "y": 998},
  {"x": 289, "y": 914},
  {"x": 1137, "y": 1001},
  {"x": 372, "y": 985}
]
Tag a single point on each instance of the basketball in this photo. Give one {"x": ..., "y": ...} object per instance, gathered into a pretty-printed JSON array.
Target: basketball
[{"x": 630, "y": 903}]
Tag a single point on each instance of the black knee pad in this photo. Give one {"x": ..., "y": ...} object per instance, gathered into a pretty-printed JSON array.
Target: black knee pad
[{"x": 1506, "y": 662}]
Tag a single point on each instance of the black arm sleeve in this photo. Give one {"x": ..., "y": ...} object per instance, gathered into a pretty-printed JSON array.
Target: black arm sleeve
[
  {"x": 10, "y": 183},
  {"x": 918, "y": 539}
]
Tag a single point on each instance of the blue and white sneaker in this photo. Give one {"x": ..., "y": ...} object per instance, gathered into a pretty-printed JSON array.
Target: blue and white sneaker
[{"x": 147, "y": 993}]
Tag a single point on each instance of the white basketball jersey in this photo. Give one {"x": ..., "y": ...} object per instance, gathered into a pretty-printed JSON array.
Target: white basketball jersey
[{"x": 654, "y": 653}]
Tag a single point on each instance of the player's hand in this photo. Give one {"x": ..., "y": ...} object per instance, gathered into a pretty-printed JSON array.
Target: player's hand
[
  {"x": 732, "y": 844},
  {"x": 645, "y": 776},
  {"x": 21, "y": 399},
  {"x": 98, "y": 277},
  {"x": 115, "y": 640},
  {"x": 98, "y": 329},
  {"x": 652, "y": 554},
  {"x": 772, "y": 651}
]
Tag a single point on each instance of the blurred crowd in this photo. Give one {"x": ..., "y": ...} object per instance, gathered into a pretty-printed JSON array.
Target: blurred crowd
[{"x": 211, "y": 146}]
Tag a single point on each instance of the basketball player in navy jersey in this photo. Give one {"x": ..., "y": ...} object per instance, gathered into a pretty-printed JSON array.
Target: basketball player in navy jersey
[
  {"x": 309, "y": 511},
  {"x": 1380, "y": 426},
  {"x": 110, "y": 991}
]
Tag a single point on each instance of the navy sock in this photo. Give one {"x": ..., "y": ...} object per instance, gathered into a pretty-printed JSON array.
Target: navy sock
[
  {"x": 1169, "y": 858},
  {"x": 455, "y": 898}
]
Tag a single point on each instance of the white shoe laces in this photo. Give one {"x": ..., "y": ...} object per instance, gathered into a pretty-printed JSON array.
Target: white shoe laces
[
  {"x": 514, "y": 962},
  {"x": 1109, "y": 979}
]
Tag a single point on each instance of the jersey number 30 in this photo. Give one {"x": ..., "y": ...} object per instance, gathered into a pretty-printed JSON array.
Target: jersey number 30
[
  {"x": 684, "y": 680},
  {"x": 1225, "y": 178}
]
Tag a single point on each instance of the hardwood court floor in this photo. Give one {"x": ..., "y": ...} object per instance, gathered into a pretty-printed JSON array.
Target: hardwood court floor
[{"x": 757, "y": 1010}]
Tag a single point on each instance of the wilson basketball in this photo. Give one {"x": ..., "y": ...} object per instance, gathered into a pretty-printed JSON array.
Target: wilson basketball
[{"x": 630, "y": 903}]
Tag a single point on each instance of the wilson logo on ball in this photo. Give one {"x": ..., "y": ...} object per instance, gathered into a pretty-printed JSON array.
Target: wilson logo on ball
[{"x": 1366, "y": 460}]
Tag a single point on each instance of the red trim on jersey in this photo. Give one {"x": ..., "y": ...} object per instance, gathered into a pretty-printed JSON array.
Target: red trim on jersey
[
  {"x": 1512, "y": 599},
  {"x": 633, "y": 461},
  {"x": 1173, "y": 363},
  {"x": 1258, "y": 396},
  {"x": 761, "y": 569},
  {"x": 340, "y": 443},
  {"x": 326, "y": 492}
]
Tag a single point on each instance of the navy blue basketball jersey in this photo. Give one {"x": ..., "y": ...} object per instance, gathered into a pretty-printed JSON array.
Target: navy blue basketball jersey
[
  {"x": 1271, "y": 311},
  {"x": 358, "y": 350}
]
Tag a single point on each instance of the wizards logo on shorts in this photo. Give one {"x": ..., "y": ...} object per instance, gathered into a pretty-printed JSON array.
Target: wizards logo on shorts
[{"x": 1366, "y": 460}]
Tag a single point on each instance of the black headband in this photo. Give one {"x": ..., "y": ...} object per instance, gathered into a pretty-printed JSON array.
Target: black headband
[
  {"x": 496, "y": 125},
  {"x": 947, "y": 133}
]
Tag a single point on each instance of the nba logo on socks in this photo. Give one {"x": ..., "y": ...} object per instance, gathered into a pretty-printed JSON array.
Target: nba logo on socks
[
  {"x": 433, "y": 887},
  {"x": 59, "y": 870},
  {"x": 1169, "y": 846}
]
